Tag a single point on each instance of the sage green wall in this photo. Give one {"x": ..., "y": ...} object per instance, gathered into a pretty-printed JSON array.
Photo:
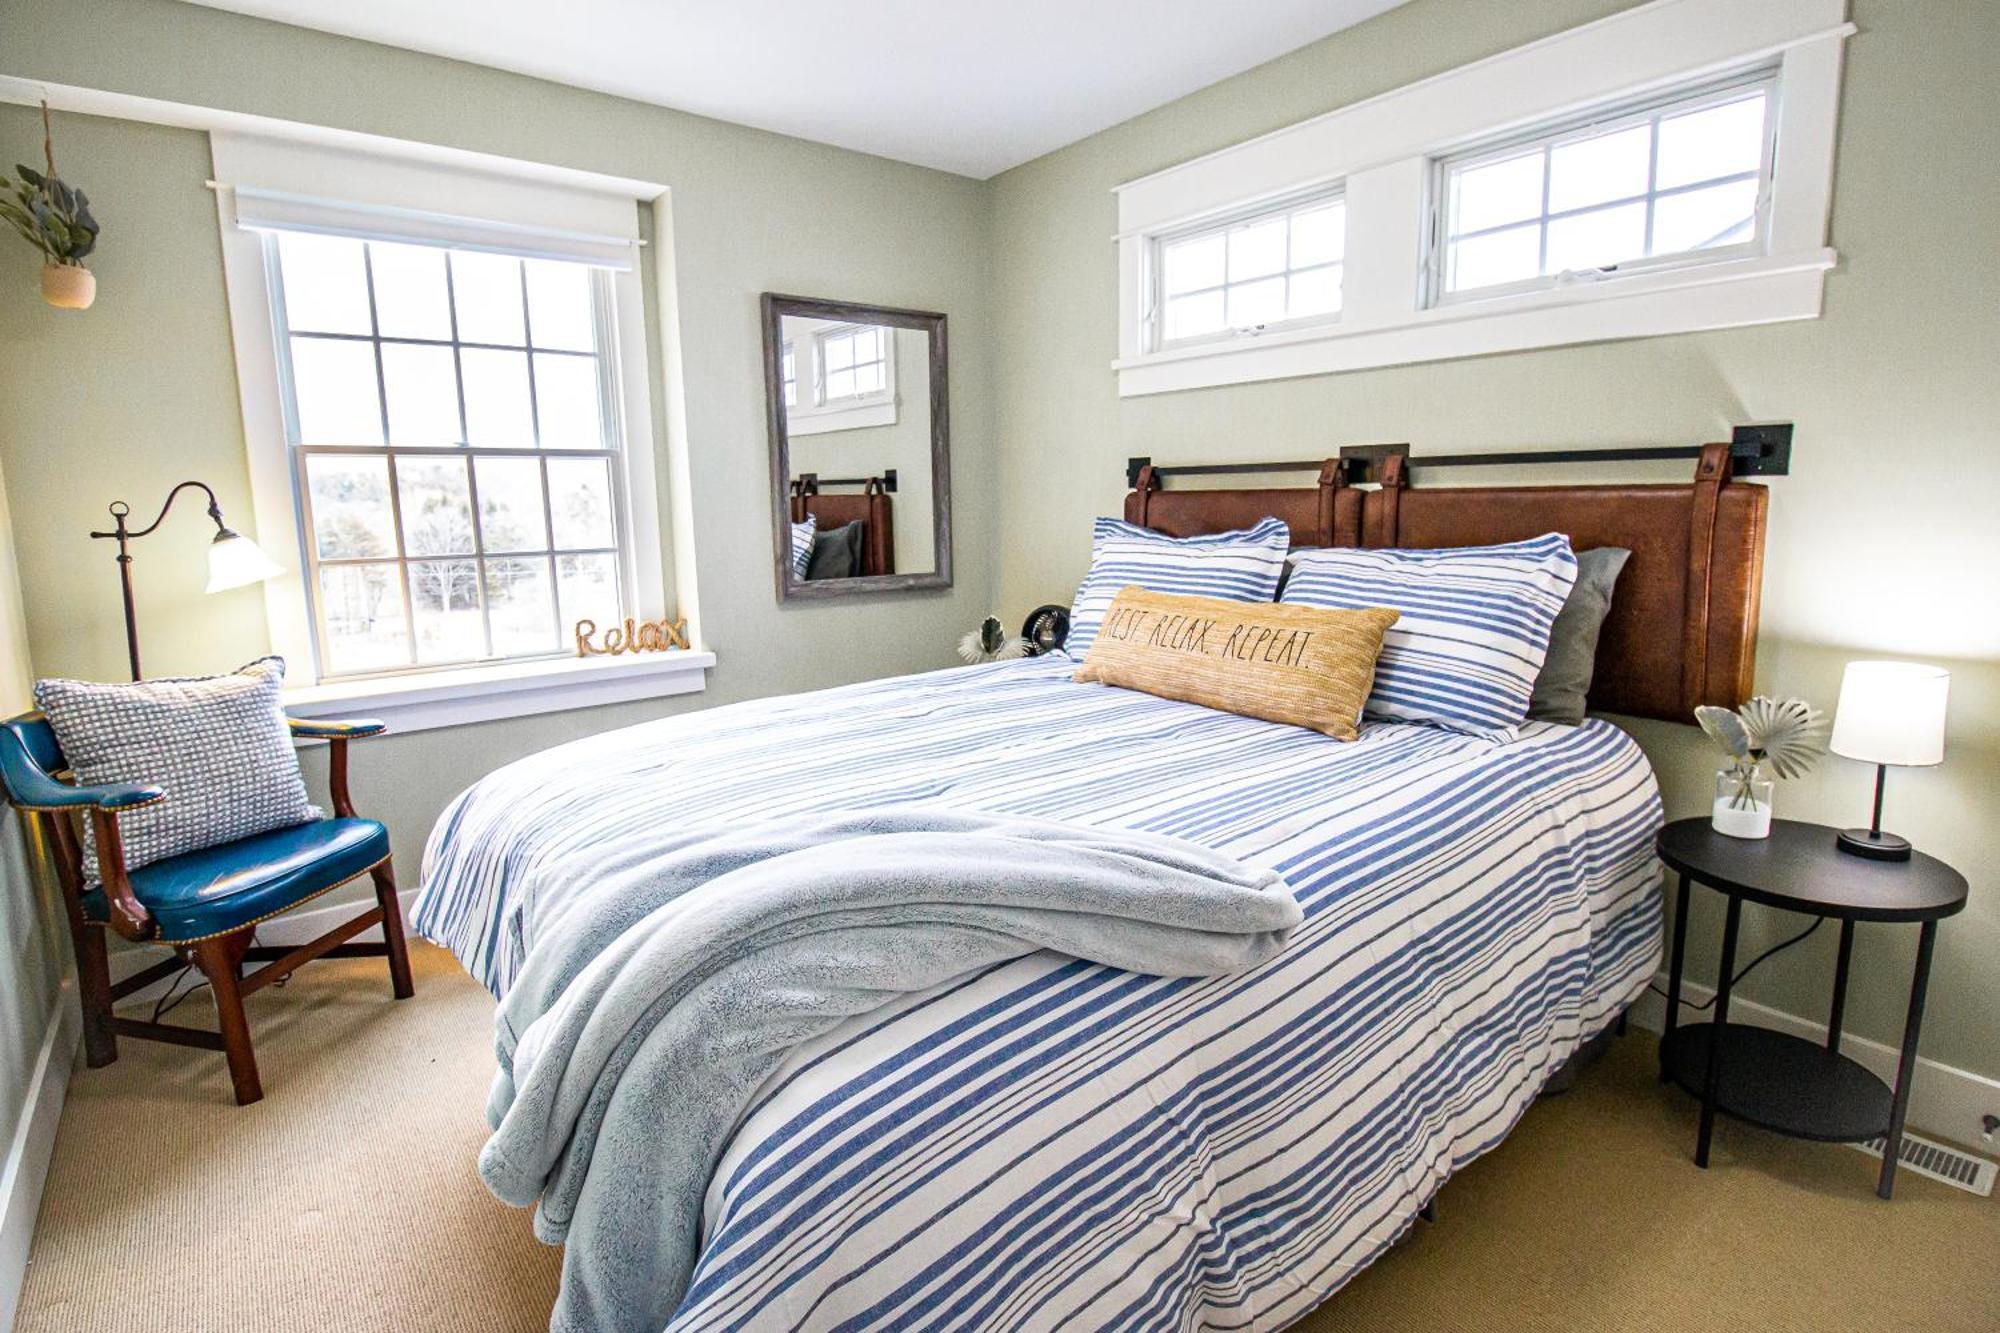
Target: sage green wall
[
  {"x": 32, "y": 949},
  {"x": 1883, "y": 540},
  {"x": 138, "y": 392}
]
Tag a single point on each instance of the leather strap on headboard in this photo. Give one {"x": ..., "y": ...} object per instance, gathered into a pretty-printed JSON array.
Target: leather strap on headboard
[
  {"x": 872, "y": 507},
  {"x": 1683, "y": 624}
]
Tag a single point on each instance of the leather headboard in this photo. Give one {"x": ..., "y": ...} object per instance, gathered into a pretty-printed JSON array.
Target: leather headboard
[
  {"x": 1683, "y": 624},
  {"x": 878, "y": 535}
]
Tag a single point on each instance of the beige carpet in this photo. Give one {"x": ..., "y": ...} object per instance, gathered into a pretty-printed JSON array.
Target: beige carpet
[{"x": 347, "y": 1202}]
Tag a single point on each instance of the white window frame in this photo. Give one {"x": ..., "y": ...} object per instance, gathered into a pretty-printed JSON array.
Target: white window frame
[
  {"x": 815, "y": 414},
  {"x": 1156, "y": 304},
  {"x": 396, "y": 192},
  {"x": 1386, "y": 148},
  {"x": 611, "y": 377},
  {"x": 1610, "y": 120}
]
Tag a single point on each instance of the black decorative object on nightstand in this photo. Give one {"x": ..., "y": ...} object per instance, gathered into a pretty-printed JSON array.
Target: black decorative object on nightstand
[{"x": 1774, "y": 1079}]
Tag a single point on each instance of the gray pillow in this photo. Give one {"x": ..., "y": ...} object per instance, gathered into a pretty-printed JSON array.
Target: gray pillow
[
  {"x": 1572, "y": 659},
  {"x": 836, "y": 553},
  {"x": 218, "y": 745}
]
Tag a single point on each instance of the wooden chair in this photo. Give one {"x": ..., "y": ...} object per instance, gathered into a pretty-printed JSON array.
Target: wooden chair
[{"x": 204, "y": 905}]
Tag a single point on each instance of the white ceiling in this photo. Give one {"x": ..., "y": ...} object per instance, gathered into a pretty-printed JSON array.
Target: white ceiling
[{"x": 971, "y": 86}]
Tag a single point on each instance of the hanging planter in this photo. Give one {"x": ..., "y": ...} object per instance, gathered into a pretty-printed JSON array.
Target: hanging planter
[{"x": 55, "y": 219}]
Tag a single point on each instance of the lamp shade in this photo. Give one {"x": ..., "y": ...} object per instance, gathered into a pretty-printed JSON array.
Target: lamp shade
[
  {"x": 234, "y": 560},
  {"x": 1891, "y": 713}
]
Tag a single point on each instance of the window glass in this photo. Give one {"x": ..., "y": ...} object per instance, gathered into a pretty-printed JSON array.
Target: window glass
[
  {"x": 1243, "y": 275},
  {"x": 1670, "y": 181},
  {"x": 451, "y": 443}
]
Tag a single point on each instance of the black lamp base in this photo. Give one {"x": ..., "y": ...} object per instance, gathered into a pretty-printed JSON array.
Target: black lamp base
[{"x": 1874, "y": 846}]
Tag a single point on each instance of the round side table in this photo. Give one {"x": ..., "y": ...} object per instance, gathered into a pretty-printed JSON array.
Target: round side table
[{"x": 1773, "y": 1079}]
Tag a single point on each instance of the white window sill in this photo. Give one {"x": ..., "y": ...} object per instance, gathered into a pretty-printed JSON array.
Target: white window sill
[
  {"x": 823, "y": 420},
  {"x": 1758, "y": 290},
  {"x": 455, "y": 696}
]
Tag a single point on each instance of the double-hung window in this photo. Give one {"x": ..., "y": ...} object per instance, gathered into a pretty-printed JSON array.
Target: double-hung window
[
  {"x": 452, "y": 416},
  {"x": 1678, "y": 181},
  {"x": 1275, "y": 266}
]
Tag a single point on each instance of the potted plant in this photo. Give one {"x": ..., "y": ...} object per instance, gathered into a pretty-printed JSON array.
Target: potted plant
[
  {"x": 55, "y": 218},
  {"x": 1786, "y": 734}
]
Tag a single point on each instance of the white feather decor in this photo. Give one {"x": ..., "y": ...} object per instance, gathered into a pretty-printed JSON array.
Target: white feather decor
[{"x": 991, "y": 643}]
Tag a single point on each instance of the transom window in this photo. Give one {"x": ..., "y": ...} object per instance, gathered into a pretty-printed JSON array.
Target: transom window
[
  {"x": 1680, "y": 181},
  {"x": 453, "y": 422},
  {"x": 853, "y": 363},
  {"x": 1275, "y": 266}
]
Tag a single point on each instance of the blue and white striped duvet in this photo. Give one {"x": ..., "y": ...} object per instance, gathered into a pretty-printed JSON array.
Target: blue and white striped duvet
[{"x": 1057, "y": 1144}]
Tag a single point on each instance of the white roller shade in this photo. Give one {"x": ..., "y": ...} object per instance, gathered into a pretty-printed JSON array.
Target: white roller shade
[{"x": 271, "y": 184}]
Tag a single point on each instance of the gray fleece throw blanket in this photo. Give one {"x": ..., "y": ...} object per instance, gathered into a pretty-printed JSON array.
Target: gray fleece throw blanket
[{"x": 653, "y": 1003}]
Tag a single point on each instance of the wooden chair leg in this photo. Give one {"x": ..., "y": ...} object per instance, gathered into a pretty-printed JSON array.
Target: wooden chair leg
[
  {"x": 392, "y": 931},
  {"x": 93, "y": 987},
  {"x": 220, "y": 960}
]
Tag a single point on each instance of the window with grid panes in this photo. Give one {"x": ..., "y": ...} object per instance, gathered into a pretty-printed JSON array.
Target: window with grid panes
[
  {"x": 1272, "y": 266},
  {"x": 451, "y": 415},
  {"x": 1680, "y": 181},
  {"x": 854, "y": 364}
]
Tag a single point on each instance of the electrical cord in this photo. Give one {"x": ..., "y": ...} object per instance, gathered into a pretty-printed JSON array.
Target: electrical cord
[
  {"x": 171, "y": 997},
  {"x": 1748, "y": 967}
]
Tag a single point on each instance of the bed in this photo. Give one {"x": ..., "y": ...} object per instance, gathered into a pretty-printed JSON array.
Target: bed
[{"x": 1051, "y": 1143}]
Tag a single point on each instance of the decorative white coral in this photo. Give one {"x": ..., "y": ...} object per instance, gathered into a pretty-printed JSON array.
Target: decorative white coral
[{"x": 1787, "y": 734}]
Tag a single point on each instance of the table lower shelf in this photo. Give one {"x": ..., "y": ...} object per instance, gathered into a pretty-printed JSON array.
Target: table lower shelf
[{"x": 1781, "y": 1082}]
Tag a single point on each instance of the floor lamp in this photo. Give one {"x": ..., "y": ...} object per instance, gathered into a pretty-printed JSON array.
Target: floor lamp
[{"x": 233, "y": 559}]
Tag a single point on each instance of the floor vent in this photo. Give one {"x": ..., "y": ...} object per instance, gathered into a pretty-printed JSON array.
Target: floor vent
[{"x": 1972, "y": 1174}]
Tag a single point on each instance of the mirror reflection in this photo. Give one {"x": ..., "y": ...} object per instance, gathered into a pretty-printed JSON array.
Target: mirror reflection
[{"x": 856, "y": 447}]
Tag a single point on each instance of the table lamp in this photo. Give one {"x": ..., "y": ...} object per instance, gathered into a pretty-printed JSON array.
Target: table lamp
[
  {"x": 1889, "y": 713},
  {"x": 233, "y": 559}
]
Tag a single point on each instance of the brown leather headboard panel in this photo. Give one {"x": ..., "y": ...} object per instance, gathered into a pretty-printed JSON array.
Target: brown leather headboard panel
[
  {"x": 1683, "y": 624},
  {"x": 878, "y": 533}
]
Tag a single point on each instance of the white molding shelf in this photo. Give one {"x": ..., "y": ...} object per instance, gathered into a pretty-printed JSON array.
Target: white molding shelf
[
  {"x": 1382, "y": 149},
  {"x": 423, "y": 701}
]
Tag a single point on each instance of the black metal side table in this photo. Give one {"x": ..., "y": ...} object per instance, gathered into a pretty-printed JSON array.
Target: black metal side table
[{"x": 1774, "y": 1079}]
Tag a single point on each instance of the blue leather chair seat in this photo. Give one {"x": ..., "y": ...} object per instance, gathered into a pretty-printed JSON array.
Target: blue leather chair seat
[{"x": 214, "y": 891}]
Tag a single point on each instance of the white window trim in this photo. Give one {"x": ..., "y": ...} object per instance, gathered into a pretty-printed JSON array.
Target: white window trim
[
  {"x": 525, "y": 209},
  {"x": 1385, "y": 149},
  {"x": 816, "y": 418},
  {"x": 454, "y": 696}
]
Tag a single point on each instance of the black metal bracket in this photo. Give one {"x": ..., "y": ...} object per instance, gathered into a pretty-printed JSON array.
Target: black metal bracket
[
  {"x": 1755, "y": 451},
  {"x": 812, "y": 481}
]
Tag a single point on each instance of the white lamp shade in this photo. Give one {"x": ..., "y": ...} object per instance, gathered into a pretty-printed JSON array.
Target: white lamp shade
[
  {"x": 234, "y": 560},
  {"x": 1891, "y": 713}
]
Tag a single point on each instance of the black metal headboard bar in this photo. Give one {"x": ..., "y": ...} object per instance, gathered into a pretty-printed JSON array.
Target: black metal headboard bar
[
  {"x": 1755, "y": 451},
  {"x": 813, "y": 480}
]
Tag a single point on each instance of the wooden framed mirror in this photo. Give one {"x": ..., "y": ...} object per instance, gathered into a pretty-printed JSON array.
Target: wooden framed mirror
[{"x": 856, "y": 402}]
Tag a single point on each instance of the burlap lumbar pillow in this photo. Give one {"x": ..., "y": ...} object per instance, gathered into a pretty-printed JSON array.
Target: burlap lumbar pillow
[{"x": 1307, "y": 666}]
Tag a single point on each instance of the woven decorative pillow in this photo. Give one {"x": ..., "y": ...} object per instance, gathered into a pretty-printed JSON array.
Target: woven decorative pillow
[
  {"x": 1241, "y": 566},
  {"x": 218, "y": 746},
  {"x": 1475, "y": 626},
  {"x": 1295, "y": 664},
  {"x": 802, "y": 544}
]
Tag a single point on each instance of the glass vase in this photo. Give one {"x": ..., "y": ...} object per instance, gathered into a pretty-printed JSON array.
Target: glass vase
[{"x": 1742, "y": 802}]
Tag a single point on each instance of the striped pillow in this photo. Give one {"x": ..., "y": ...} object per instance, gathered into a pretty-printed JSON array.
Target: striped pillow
[
  {"x": 1241, "y": 566},
  {"x": 1475, "y": 626},
  {"x": 802, "y": 544}
]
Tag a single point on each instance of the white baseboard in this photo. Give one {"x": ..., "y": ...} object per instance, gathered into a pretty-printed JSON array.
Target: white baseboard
[
  {"x": 1945, "y": 1101},
  {"x": 27, "y": 1166},
  {"x": 292, "y": 928}
]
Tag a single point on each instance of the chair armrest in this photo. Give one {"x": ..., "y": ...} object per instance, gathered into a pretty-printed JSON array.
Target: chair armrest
[
  {"x": 331, "y": 729},
  {"x": 30, "y": 788}
]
